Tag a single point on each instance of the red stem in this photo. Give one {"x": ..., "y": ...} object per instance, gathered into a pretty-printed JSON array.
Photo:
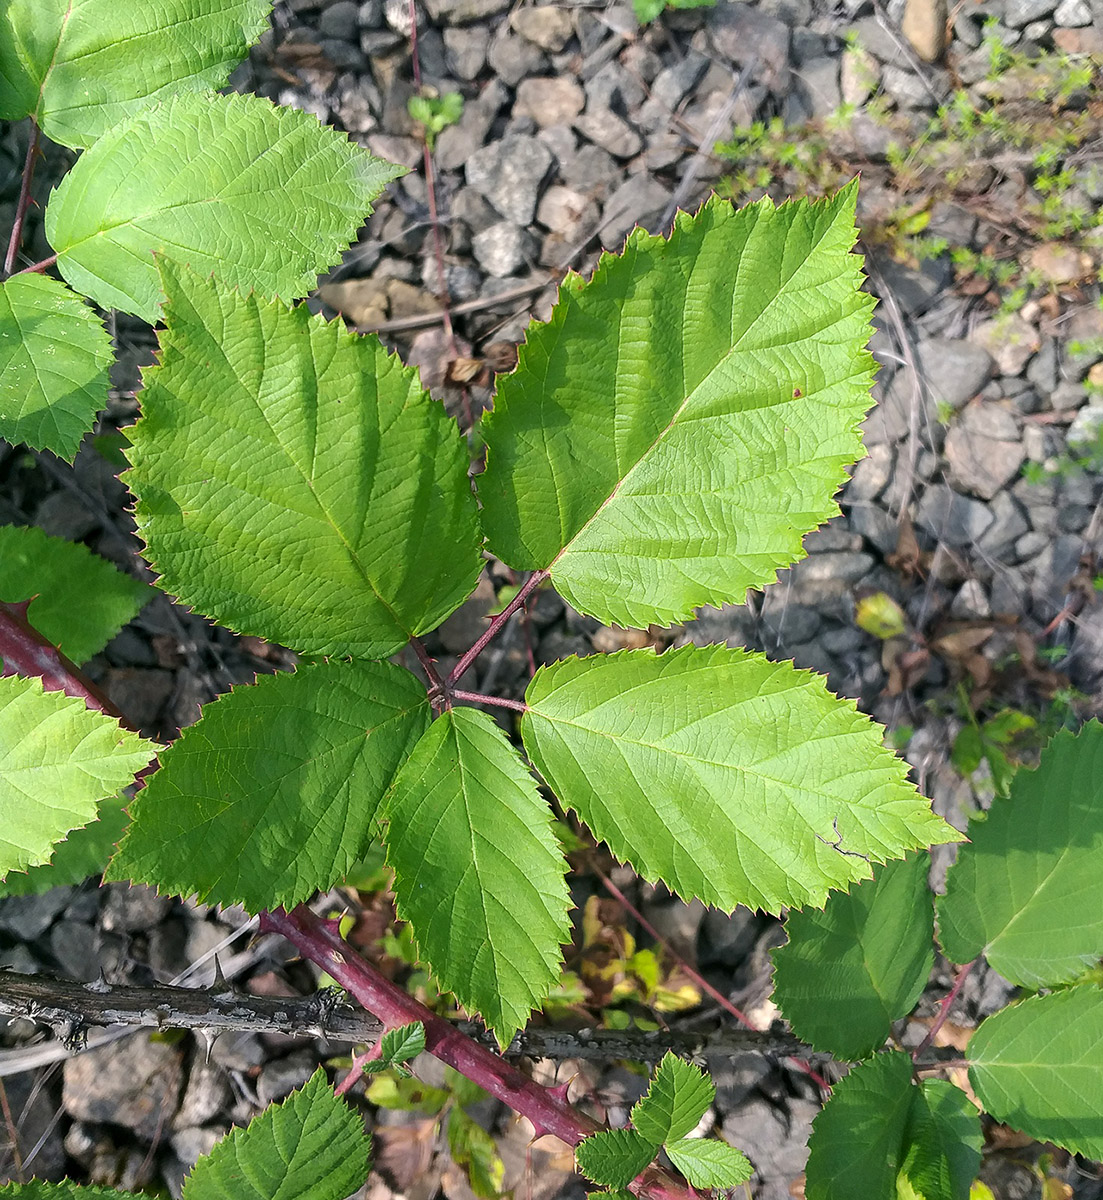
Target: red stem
[
  {"x": 496, "y": 625},
  {"x": 546, "y": 1108},
  {"x": 26, "y": 652},
  {"x": 24, "y": 202},
  {"x": 944, "y": 1009},
  {"x": 429, "y": 666},
  {"x": 36, "y": 268}
]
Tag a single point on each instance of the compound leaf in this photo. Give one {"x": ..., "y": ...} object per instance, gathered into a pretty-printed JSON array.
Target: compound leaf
[
  {"x": 80, "y": 600},
  {"x": 54, "y": 354},
  {"x": 708, "y": 1163},
  {"x": 1038, "y": 1066},
  {"x": 273, "y": 794},
  {"x": 614, "y": 1157},
  {"x": 858, "y": 1139},
  {"x": 685, "y": 418},
  {"x": 295, "y": 482},
  {"x": 942, "y": 1143},
  {"x": 265, "y": 197},
  {"x": 57, "y": 760},
  {"x": 1025, "y": 892},
  {"x": 675, "y": 1102},
  {"x": 478, "y": 872},
  {"x": 310, "y": 1147},
  {"x": 848, "y": 972},
  {"x": 728, "y": 777},
  {"x": 83, "y": 853},
  {"x": 81, "y": 66}
]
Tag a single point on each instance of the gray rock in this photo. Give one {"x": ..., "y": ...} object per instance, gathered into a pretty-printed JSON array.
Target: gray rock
[
  {"x": 591, "y": 169},
  {"x": 784, "y": 622},
  {"x": 192, "y": 1142},
  {"x": 614, "y": 135},
  {"x": 549, "y": 100},
  {"x": 134, "y": 1083},
  {"x": 1067, "y": 395},
  {"x": 955, "y": 370},
  {"x": 1041, "y": 371},
  {"x": 743, "y": 34},
  {"x": 546, "y": 25},
  {"x": 513, "y": 57},
  {"x": 951, "y": 517},
  {"x": 32, "y": 1101},
  {"x": 464, "y": 12},
  {"x": 820, "y": 80},
  {"x": 849, "y": 566},
  {"x": 675, "y": 82},
  {"x": 876, "y": 526},
  {"x": 340, "y": 20},
  {"x": 1074, "y": 518},
  {"x": 915, "y": 290},
  {"x": 1072, "y": 14},
  {"x": 736, "y": 1076},
  {"x": 458, "y": 142},
  {"x": 502, "y": 248},
  {"x": 1085, "y": 662},
  {"x": 564, "y": 211},
  {"x": 970, "y": 603},
  {"x": 74, "y": 947},
  {"x": 510, "y": 174},
  {"x": 27, "y": 918},
  {"x": 1008, "y": 526},
  {"x": 1053, "y": 569},
  {"x": 727, "y": 938},
  {"x": 1086, "y": 429},
  {"x": 983, "y": 450},
  {"x": 871, "y": 475},
  {"x": 206, "y": 1095},
  {"x": 1031, "y": 544},
  {"x": 238, "y": 1051},
  {"x": 278, "y": 1079},
  {"x": 1010, "y": 340},
  {"x": 1018, "y": 13},
  {"x": 634, "y": 202},
  {"x": 779, "y": 1140},
  {"x": 465, "y": 50},
  {"x": 1009, "y": 592}
]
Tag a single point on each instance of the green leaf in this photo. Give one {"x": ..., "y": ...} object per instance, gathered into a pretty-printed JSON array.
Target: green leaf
[
  {"x": 849, "y": 971},
  {"x": 1025, "y": 892},
  {"x": 1038, "y": 1066},
  {"x": 478, "y": 872},
  {"x": 942, "y": 1143},
  {"x": 39, "y": 1189},
  {"x": 310, "y": 1147},
  {"x": 265, "y": 197},
  {"x": 723, "y": 774},
  {"x": 54, "y": 354},
  {"x": 273, "y": 794},
  {"x": 81, "y": 600},
  {"x": 402, "y": 1044},
  {"x": 472, "y": 1147},
  {"x": 295, "y": 482},
  {"x": 709, "y": 1163},
  {"x": 857, "y": 1142},
  {"x": 82, "y": 854},
  {"x": 614, "y": 1157},
  {"x": 686, "y": 417},
  {"x": 675, "y": 1102},
  {"x": 647, "y": 10},
  {"x": 82, "y": 67},
  {"x": 57, "y": 760}
]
